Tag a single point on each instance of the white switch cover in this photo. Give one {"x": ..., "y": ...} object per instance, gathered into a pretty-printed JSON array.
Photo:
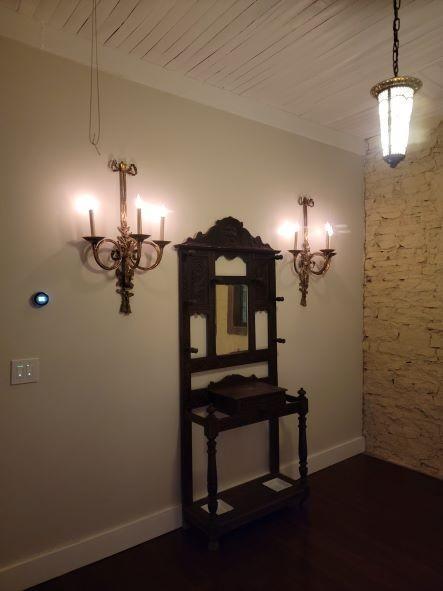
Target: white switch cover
[{"x": 24, "y": 371}]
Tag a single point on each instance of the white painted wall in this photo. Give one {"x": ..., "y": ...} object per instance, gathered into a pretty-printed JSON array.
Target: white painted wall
[{"x": 95, "y": 444}]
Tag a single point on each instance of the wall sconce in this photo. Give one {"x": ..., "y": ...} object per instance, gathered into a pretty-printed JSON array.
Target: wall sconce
[
  {"x": 307, "y": 262},
  {"x": 127, "y": 248}
]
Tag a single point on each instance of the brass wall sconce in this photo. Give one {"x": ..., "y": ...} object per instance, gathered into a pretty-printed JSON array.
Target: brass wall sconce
[
  {"x": 127, "y": 248},
  {"x": 307, "y": 262}
]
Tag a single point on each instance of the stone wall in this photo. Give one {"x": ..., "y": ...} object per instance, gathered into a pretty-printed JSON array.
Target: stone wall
[{"x": 403, "y": 320}]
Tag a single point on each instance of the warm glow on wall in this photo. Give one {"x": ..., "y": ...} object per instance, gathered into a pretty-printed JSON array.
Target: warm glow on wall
[
  {"x": 85, "y": 202},
  {"x": 287, "y": 229},
  {"x": 154, "y": 211},
  {"x": 157, "y": 213},
  {"x": 139, "y": 203}
]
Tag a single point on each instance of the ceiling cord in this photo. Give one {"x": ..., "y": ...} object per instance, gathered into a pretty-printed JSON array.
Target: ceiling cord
[{"x": 94, "y": 86}]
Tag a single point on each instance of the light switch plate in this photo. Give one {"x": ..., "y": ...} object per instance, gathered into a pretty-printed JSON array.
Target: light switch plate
[{"x": 24, "y": 371}]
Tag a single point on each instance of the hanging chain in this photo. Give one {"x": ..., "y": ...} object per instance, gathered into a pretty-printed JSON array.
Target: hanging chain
[
  {"x": 396, "y": 44},
  {"x": 94, "y": 87}
]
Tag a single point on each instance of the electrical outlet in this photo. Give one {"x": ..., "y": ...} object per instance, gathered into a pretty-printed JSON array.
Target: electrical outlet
[{"x": 24, "y": 371}]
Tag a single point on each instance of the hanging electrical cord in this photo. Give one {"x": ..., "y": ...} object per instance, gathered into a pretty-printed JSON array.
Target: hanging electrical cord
[{"x": 94, "y": 85}]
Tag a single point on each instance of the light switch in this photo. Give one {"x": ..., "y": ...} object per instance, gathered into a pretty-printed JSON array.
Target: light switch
[{"x": 24, "y": 371}]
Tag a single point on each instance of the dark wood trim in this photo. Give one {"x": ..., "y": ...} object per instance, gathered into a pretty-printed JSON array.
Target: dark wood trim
[
  {"x": 185, "y": 393},
  {"x": 232, "y": 359},
  {"x": 227, "y": 234}
]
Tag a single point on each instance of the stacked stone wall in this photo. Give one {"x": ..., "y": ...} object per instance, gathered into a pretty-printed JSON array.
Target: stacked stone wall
[{"x": 403, "y": 311}]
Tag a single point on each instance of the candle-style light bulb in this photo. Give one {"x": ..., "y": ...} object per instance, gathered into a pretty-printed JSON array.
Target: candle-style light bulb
[
  {"x": 138, "y": 204},
  {"x": 162, "y": 211},
  {"x": 329, "y": 232},
  {"x": 92, "y": 222},
  {"x": 296, "y": 231},
  {"x": 86, "y": 203}
]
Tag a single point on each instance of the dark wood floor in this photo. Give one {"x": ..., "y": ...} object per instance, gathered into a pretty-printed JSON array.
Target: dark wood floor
[{"x": 369, "y": 525}]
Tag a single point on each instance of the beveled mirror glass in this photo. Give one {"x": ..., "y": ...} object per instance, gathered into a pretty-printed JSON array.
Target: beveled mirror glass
[{"x": 231, "y": 305}]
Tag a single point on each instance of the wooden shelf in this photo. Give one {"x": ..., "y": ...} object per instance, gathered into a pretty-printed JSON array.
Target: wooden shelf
[{"x": 249, "y": 501}]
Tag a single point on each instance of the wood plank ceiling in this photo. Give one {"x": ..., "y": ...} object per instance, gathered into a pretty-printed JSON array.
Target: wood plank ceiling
[{"x": 313, "y": 58}]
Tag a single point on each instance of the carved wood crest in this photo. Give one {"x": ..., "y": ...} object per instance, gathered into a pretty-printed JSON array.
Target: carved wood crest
[{"x": 227, "y": 233}]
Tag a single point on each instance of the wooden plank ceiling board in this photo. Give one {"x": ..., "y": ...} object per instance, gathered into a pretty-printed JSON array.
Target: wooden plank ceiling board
[
  {"x": 239, "y": 24},
  {"x": 312, "y": 60},
  {"x": 106, "y": 9},
  {"x": 331, "y": 68},
  {"x": 141, "y": 20},
  {"x": 116, "y": 17},
  {"x": 193, "y": 33},
  {"x": 332, "y": 79},
  {"x": 78, "y": 18},
  {"x": 267, "y": 42},
  {"x": 62, "y": 13},
  {"x": 180, "y": 10},
  {"x": 157, "y": 54},
  {"x": 215, "y": 62},
  {"x": 252, "y": 66},
  {"x": 251, "y": 41},
  {"x": 292, "y": 60},
  {"x": 160, "y": 10},
  {"x": 194, "y": 53},
  {"x": 361, "y": 45}
]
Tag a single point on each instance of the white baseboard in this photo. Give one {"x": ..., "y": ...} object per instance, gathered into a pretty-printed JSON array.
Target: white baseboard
[
  {"x": 43, "y": 567},
  {"x": 54, "y": 563}
]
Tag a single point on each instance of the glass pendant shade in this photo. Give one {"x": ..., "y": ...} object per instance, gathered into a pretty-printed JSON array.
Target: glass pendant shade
[{"x": 395, "y": 101}]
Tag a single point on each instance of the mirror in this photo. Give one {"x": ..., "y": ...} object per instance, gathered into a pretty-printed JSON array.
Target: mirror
[{"x": 231, "y": 304}]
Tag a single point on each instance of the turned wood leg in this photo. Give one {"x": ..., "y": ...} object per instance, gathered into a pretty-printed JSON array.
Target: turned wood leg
[
  {"x": 212, "y": 476},
  {"x": 302, "y": 448}
]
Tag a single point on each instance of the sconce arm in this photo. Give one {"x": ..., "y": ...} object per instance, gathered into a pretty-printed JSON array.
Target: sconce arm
[
  {"x": 159, "y": 246},
  {"x": 326, "y": 255},
  {"x": 96, "y": 243},
  {"x": 297, "y": 256}
]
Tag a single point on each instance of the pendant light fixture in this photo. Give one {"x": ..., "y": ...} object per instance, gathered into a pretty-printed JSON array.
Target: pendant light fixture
[{"x": 395, "y": 100}]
